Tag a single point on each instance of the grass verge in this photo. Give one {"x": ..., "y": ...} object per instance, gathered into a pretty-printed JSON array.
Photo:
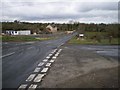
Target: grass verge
[
  {"x": 114, "y": 41},
  {"x": 22, "y": 38}
]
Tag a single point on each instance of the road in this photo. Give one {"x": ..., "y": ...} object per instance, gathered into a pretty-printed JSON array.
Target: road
[
  {"x": 20, "y": 59},
  {"x": 84, "y": 66},
  {"x": 107, "y": 51}
]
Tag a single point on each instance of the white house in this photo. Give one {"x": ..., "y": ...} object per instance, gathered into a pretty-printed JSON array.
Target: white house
[
  {"x": 12, "y": 32},
  {"x": 26, "y": 32}
]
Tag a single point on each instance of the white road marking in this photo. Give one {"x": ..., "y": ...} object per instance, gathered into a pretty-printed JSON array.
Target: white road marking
[
  {"x": 62, "y": 44},
  {"x": 52, "y": 61},
  {"x": 22, "y": 87},
  {"x": 44, "y": 70},
  {"x": 47, "y": 57},
  {"x": 37, "y": 69},
  {"x": 48, "y": 64},
  {"x": 56, "y": 54},
  {"x": 39, "y": 77},
  {"x": 40, "y": 64},
  {"x": 45, "y": 60},
  {"x": 32, "y": 86},
  {"x": 30, "y": 78},
  {"x": 59, "y": 50},
  {"x": 50, "y": 55},
  {"x": 30, "y": 47},
  {"x": 7, "y": 55},
  {"x": 54, "y": 57},
  {"x": 5, "y": 43},
  {"x": 54, "y": 51}
]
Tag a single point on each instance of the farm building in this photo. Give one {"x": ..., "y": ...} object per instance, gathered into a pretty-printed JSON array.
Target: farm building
[
  {"x": 51, "y": 28},
  {"x": 69, "y": 32},
  {"x": 12, "y": 32}
]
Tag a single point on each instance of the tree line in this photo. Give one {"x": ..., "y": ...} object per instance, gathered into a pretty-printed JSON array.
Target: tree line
[{"x": 110, "y": 29}]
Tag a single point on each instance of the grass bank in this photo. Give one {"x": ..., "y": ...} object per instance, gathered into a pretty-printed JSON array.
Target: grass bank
[
  {"x": 22, "y": 38},
  {"x": 101, "y": 39},
  {"x": 114, "y": 41}
]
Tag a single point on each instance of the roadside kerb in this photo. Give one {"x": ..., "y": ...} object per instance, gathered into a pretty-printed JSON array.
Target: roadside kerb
[{"x": 40, "y": 71}]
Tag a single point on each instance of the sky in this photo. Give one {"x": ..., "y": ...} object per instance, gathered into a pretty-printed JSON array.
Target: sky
[{"x": 60, "y": 11}]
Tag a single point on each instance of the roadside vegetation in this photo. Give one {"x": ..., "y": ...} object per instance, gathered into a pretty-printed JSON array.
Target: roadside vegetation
[
  {"x": 9, "y": 38},
  {"x": 0, "y": 37},
  {"x": 95, "y": 38},
  {"x": 93, "y": 33}
]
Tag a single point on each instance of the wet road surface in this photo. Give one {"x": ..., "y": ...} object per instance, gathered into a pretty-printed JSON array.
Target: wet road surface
[
  {"x": 20, "y": 59},
  {"x": 108, "y": 51}
]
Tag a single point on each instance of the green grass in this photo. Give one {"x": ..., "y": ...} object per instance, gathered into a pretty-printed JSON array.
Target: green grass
[
  {"x": 88, "y": 40},
  {"x": 91, "y": 34},
  {"x": 0, "y": 37},
  {"x": 22, "y": 38},
  {"x": 42, "y": 39}
]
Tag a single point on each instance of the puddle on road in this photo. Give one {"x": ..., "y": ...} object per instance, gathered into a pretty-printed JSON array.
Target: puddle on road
[{"x": 108, "y": 53}]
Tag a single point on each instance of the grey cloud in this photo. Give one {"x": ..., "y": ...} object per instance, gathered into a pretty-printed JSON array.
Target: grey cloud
[
  {"x": 88, "y": 6},
  {"x": 60, "y": 11}
]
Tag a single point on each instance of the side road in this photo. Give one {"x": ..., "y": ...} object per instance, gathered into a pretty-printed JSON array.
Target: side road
[{"x": 78, "y": 68}]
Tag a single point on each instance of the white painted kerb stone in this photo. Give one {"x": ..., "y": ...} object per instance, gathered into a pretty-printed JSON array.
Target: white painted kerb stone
[
  {"x": 37, "y": 69},
  {"x": 44, "y": 70},
  {"x": 40, "y": 64},
  {"x": 23, "y": 86},
  {"x": 39, "y": 77},
  {"x": 32, "y": 86},
  {"x": 48, "y": 64},
  {"x": 52, "y": 61},
  {"x": 30, "y": 78}
]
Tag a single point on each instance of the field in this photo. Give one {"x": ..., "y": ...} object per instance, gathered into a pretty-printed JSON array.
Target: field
[
  {"x": 22, "y": 38},
  {"x": 101, "y": 39}
]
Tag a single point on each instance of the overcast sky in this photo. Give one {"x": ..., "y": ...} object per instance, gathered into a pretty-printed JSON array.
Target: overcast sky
[{"x": 60, "y": 11}]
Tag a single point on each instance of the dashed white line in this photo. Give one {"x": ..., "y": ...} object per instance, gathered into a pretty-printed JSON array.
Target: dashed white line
[
  {"x": 30, "y": 47},
  {"x": 52, "y": 61},
  {"x": 50, "y": 55},
  {"x": 47, "y": 57},
  {"x": 59, "y": 50},
  {"x": 54, "y": 57},
  {"x": 37, "y": 69},
  {"x": 54, "y": 51},
  {"x": 5, "y": 43},
  {"x": 39, "y": 77},
  {"x": 45, "y": 60},
  {"x": 44, "y": 70},
  {"x": 56, "y": 54},
  {"x": 30, "y": 78},
  {"x": 40, "y": 64},
  {"x": 48, "y": 64},
  {"x": 23, "y": 86},
  {"x": 7, "y": 55},
  {"x": 62, "y": 44},
  {"x": 32, "y": 86}
]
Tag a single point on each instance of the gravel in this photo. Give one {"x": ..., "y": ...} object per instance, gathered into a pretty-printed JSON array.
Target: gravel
[{"x": 79, "y": 68}]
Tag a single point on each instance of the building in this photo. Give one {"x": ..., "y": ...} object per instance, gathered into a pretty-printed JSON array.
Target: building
[
  {"x": 51, "y": 28},
  {"x": 12, "y": 32},
  {"x": 69, "y": 32}
]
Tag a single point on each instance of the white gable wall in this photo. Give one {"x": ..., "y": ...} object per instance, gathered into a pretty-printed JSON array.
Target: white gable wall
[
  {"x": 24, "y": 32},
  {"x": 11, "y": 32}
]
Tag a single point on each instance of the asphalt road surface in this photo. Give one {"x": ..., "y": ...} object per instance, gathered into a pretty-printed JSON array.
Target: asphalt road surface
[
  {"x": 107, "y": 51},
  {"x": 20, "y": 59}
]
